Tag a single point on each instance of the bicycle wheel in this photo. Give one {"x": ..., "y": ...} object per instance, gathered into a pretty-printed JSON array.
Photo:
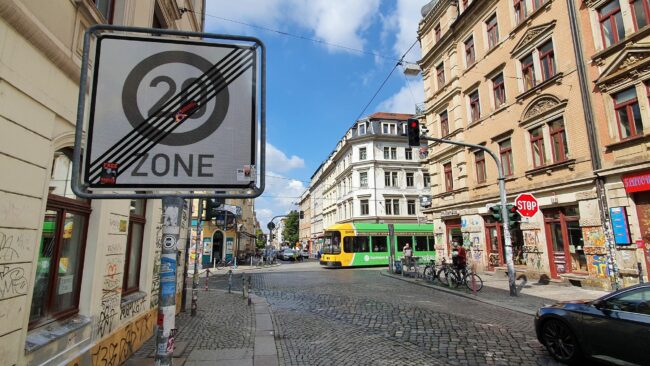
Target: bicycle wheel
[
  {"x": 428, "y": 273},
  {"x": 473, "y": 280},
  {"x": 443, "y": 276},
  {"x": 454, "y": 279},
  {"x": 219, "y": 264}
]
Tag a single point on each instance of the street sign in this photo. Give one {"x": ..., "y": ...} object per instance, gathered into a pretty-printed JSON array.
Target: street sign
[
  {"x": 171, "y": 113},
  {"x": 527, "y": 205}
]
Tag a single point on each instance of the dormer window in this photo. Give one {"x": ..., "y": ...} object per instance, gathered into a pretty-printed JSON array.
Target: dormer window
[
  {"x": 389, "y": 128},
  {"x": 361, "y": 130}
]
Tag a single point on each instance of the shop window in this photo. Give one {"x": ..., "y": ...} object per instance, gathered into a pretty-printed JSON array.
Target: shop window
[
  {"x": 137, "y": 221},
  {"x": 379, "y": 244},
  {"x": 449, "y": 180},
  {"x": 492, "y": 31},
  {"x": 505, "y": 152},
  {"x": 470, "y": 52},
  {"x": 61, "y": 250},
  {"x": 628, "y": 114},
  {"x": 611, "y": 23},
  {"x": 479, "y": 160}
]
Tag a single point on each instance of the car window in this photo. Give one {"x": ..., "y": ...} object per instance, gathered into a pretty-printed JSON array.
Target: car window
[{"x": 636, "y": 301}]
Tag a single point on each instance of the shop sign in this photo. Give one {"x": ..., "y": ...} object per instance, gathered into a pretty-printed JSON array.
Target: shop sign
[
  {"x": 618, "y": 216},
  {"x": 637, "y": 182}
]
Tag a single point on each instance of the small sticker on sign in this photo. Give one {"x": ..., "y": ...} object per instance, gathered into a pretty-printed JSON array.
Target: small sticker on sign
[
  {"x": 109, "y": 173},
  {"x": 247, "y": 174}
]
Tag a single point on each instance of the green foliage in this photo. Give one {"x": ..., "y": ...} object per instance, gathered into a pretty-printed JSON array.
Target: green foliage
[
  {"x": 290, "y": 232},
  {"x": 260, "y": 242}
]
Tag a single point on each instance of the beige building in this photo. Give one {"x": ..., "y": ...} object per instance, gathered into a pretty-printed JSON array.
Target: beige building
[
  {"x": 79, "y": 277},
  {"x": 619, "y": 75},
  {"x": 502, "y": 74},
  {"x": 304, "y": 226}
]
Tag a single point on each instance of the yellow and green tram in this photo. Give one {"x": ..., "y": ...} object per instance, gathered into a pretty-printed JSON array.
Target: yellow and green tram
[{"x": 366, "y": 244}]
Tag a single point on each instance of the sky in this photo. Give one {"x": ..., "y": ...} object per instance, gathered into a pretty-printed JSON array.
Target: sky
[{"x": 321, "y": 76}]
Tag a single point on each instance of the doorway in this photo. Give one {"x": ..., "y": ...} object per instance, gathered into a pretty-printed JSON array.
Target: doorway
[
  {"x": 454, "y": 234},
  {"x": 217, "y": 247},
  {"x": 564, "y": 241},
  {"x": 642, "y": 200}
]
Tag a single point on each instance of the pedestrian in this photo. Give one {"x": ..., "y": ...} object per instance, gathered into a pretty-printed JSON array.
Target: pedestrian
[
  {"x": 459, "y": 258},
  {"x": 408, "y": 255}
]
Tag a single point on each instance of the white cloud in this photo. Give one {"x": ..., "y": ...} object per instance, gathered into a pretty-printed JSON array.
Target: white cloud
[
  {"x": 278, "y": 161},
  {"x": 404, "y": 24},
  {"x": 403, "y": 101},
  {"x": 280, "y": 196}
]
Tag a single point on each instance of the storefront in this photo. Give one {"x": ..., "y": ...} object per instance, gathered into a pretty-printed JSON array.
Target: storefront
[
  {"x": 637, "y": 186},
  {"x": 564, "y": 241},
  {"x": 495, "y": 244}
]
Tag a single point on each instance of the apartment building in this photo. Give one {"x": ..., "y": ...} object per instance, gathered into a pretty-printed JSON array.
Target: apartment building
[
  {"x": 80, "y": 277},
  {"x": 502, "y": 74},
  {"x": 371, "y": 176}
]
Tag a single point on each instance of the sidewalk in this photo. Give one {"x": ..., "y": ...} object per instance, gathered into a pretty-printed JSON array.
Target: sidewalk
[
  {"x": 225, "y": 331},
  {"x": 531, "y": 295}
]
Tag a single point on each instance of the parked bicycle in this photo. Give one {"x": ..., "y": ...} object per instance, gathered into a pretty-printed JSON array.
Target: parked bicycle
[
  {"x": 459, "y": 277},
  {"x": 225, "y": 263}
]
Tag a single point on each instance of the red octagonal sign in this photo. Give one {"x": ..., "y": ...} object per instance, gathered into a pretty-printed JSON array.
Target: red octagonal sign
[{"x": 526, "y": 205}]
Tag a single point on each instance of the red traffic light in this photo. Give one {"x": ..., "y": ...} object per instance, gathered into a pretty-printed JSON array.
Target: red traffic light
[
  {"x": 513, "y": 208},
  {"x": 414, "y": 124}
]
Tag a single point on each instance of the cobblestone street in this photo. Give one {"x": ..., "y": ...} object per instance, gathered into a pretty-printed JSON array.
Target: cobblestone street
[{"x": 355, "y": 317}]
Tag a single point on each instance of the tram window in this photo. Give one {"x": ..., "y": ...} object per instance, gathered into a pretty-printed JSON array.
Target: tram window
[
  {"x": 432, "y": 243},
  {"x": 401, "y": 242},
  {"x": 347, "y": 244},
  {"x": 421, "y": 243},
  {"x": 379, "y": 244},
  {"x": 332, "y": 243},
  {"x": 361, "y": 244}
]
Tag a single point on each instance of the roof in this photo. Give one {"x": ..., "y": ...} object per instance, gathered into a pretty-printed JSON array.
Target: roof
[{"x": 386, "y": 115}]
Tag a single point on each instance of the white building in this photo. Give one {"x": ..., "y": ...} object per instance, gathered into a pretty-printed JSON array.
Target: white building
[{"x": 371, "y": 176}]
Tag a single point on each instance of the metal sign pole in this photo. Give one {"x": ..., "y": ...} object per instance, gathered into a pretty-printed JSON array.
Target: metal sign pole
[
  {"x": 504, "y": 211},
  {"x": 171, "y": 229},
  {"x": 391, "y": 250},
  {"x": 198, "y": 255},
  {"x": 187, "y": 255}
]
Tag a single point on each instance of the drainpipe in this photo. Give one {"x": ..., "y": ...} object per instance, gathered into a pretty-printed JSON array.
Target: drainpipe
[{"x": 593, "y": 144}]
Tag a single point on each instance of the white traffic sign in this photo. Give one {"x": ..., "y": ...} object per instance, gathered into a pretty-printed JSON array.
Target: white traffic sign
[{"x": 172, "y": 113}]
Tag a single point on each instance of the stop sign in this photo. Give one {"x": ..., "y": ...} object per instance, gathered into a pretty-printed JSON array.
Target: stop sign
[{"x": 526, "y": 205}]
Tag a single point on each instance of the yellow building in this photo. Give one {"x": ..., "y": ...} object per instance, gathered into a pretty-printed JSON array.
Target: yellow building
[
  {"x": 502, "y": 74},
  {"x": 79, "y": 277}
]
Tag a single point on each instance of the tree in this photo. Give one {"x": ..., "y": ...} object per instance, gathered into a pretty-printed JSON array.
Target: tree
[
  {"x": 290, "y": 232},
  {"x": 260, "y": 242}
]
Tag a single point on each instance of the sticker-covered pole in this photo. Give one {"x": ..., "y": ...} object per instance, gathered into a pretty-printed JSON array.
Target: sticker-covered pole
[
  {"x": 171, "y": 229},
  {"x": 198, "y": 254}
]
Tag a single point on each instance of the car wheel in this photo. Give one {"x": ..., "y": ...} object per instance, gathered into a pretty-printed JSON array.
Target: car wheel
[{"x": 560, "y": 342}]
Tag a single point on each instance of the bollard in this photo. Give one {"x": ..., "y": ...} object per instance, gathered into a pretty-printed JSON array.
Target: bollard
[
  {"x": 640, "y": 268},
  {"x": 244, "y": 287},
  {"x": 207, "y": 275},
  {"x": 473, "y": 268},
  {"x": 249, "y": 291},
  {"x": 229, "y": 280}
]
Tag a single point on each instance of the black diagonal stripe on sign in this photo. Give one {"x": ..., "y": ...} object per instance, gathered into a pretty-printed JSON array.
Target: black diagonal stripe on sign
[
  {"x": 171, "y": 121},
  {"x": 130, "y": 157},
  {"x": 162, "y": 112}
]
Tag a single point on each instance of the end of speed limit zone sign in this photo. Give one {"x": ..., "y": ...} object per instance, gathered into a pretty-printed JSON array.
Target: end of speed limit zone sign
[{"x": 173, "y": 114}]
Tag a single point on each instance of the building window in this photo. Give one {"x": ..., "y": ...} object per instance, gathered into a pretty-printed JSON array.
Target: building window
[
  {"x": 392, "y": 206},
  {"x": 390, "y": 179},
  {"x": 558, "y": 141},
  {"x": 611, "y": 23},
  {"x": 363, "y": 179},
  {"x": 389, "y": 128},
  {"x": 547, "y": 60},
  {"x": 470, "y": 53},
  {"x": 528, "y": 72},
  {"x": 538, "y": 4},
  {"x": 137, "y": 220},
  {"x": 440, "y": 72},
  {"x": 499, "y": 90},
  {"x": 628, "y": 114},
  {"x": 479, "y": 158},
  {"x": 444, "y": 124},
  {"x": 537, "y": 146},
  {"x": 362, "y": 153},
  {"x": 106, "y": 8},
  {"x": 449, "y": 180},
  {"x": 410, "y": 207},
  {"x": 390, "y": 153},
  {"x": 364, "y": 208},
  {"x": 427, "y": 180},
  {"x": 409, "y": 180},
  {"x": 61, "y": 250},
  {"x": 520, "y": 10},
  {"x": 641, "y": 13},
  {"x": 492, "y": 31},
  {"x": 474, "y": 106},
  {"x": 505, "y": 153},
  {"x": 362, "y": 129},
  {"x": 437, "y": 31},
  {"x": 408, "y": 153}
]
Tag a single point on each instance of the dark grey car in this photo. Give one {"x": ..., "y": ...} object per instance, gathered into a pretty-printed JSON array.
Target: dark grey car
[{"x": 614, "y": 329}]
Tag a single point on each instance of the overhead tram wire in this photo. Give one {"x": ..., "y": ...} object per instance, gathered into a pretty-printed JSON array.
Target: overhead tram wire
[{"x": 296, "y": 36}]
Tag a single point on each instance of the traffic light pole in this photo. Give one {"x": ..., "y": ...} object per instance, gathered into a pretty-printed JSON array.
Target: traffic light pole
[{"x": 504, "y": 211}]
